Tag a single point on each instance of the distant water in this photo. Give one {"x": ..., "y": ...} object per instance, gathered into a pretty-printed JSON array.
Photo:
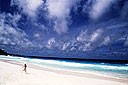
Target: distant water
[{"x": 100, "y": 68}]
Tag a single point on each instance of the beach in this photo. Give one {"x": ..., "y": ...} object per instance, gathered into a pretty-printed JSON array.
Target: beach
[{"x": 11, "y": 74}]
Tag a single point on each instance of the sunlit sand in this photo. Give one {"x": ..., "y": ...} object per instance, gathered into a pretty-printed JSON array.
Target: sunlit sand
[{"x": 11, "y": 74}]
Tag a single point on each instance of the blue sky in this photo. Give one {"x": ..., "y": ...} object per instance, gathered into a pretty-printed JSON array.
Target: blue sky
[{"x": 66, "y": 26}]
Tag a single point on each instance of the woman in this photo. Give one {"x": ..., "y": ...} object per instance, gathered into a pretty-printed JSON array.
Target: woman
[{"x": 24, "y": 67}]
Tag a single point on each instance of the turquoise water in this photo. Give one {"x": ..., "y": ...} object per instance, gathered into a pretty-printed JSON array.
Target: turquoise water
[{"x": 100, "y": 68}]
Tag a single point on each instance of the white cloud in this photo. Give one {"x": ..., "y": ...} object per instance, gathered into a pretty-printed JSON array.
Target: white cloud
[
  {"x": 59, "y": 10},
  {"x": 99, "y": 7},
  {"x": 90, "y": 39},
  {"x": 87, "y": 39},
  {"x": 15, "y": 19},
  {"x": 4, "y": 40},
  {"x": 61, "y": 26},
  {"x": 95, "y": 35},
  {"x": 11, "y": 19},
  {"x": 65, "y": 45},
  {"x": 85, "y": 47},
  {"x": 83, "y": 36},
  {"x": 119, "y": 25},
  {"x": 11, "y": 35},
  {"x": 73, "y": 49},
  {"x": 126, "y": 42},
  {"x": 36, "y": 35},
  {"x": 29, "y": 7},
  {"x": 106, "y": 40},
  {"x": 51, "y": 42}
]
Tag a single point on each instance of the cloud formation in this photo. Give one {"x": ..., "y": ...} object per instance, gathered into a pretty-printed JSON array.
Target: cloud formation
[
  {"x": 59, "y": 11},
  {"x": 83, "y": 36},
  {"x": 106, "y": 40},
  {"x": 95, "y": 35},
  {"x": 57, "y": 24},
  {"x": 51, "y": 42},
  {"x": 126, "y": 42},
  {"x": 65, "y": 45},
  {"x": 99, "y": 7},
  {"x": 29, "y": 7},
  {"x": 12, "y": 35}
]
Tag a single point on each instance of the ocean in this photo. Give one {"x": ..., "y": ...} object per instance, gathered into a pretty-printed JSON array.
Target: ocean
[{"x": 110, "y": 69}]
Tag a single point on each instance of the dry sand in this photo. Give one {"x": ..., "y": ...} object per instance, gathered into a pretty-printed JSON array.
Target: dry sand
[{"x": 11, "y": 74}]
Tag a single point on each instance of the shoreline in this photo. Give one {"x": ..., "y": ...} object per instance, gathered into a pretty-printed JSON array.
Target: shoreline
[{"x": 67, "y": 72}]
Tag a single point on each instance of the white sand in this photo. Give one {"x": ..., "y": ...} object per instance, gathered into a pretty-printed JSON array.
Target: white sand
[{"x": 11, "y": 74}]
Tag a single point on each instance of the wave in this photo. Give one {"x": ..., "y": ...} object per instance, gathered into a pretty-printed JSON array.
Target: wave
[
  {"x": 65, "y": 63},
  {"x": 74, "y": 64},
  {"x": 116, "y": 70}
]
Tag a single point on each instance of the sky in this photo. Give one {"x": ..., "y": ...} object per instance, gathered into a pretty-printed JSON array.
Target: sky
[{"x": 92, "y": 29}]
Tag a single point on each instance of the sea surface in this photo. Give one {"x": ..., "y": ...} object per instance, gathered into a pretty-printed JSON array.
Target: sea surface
[{"x": 119, "y": 70}]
